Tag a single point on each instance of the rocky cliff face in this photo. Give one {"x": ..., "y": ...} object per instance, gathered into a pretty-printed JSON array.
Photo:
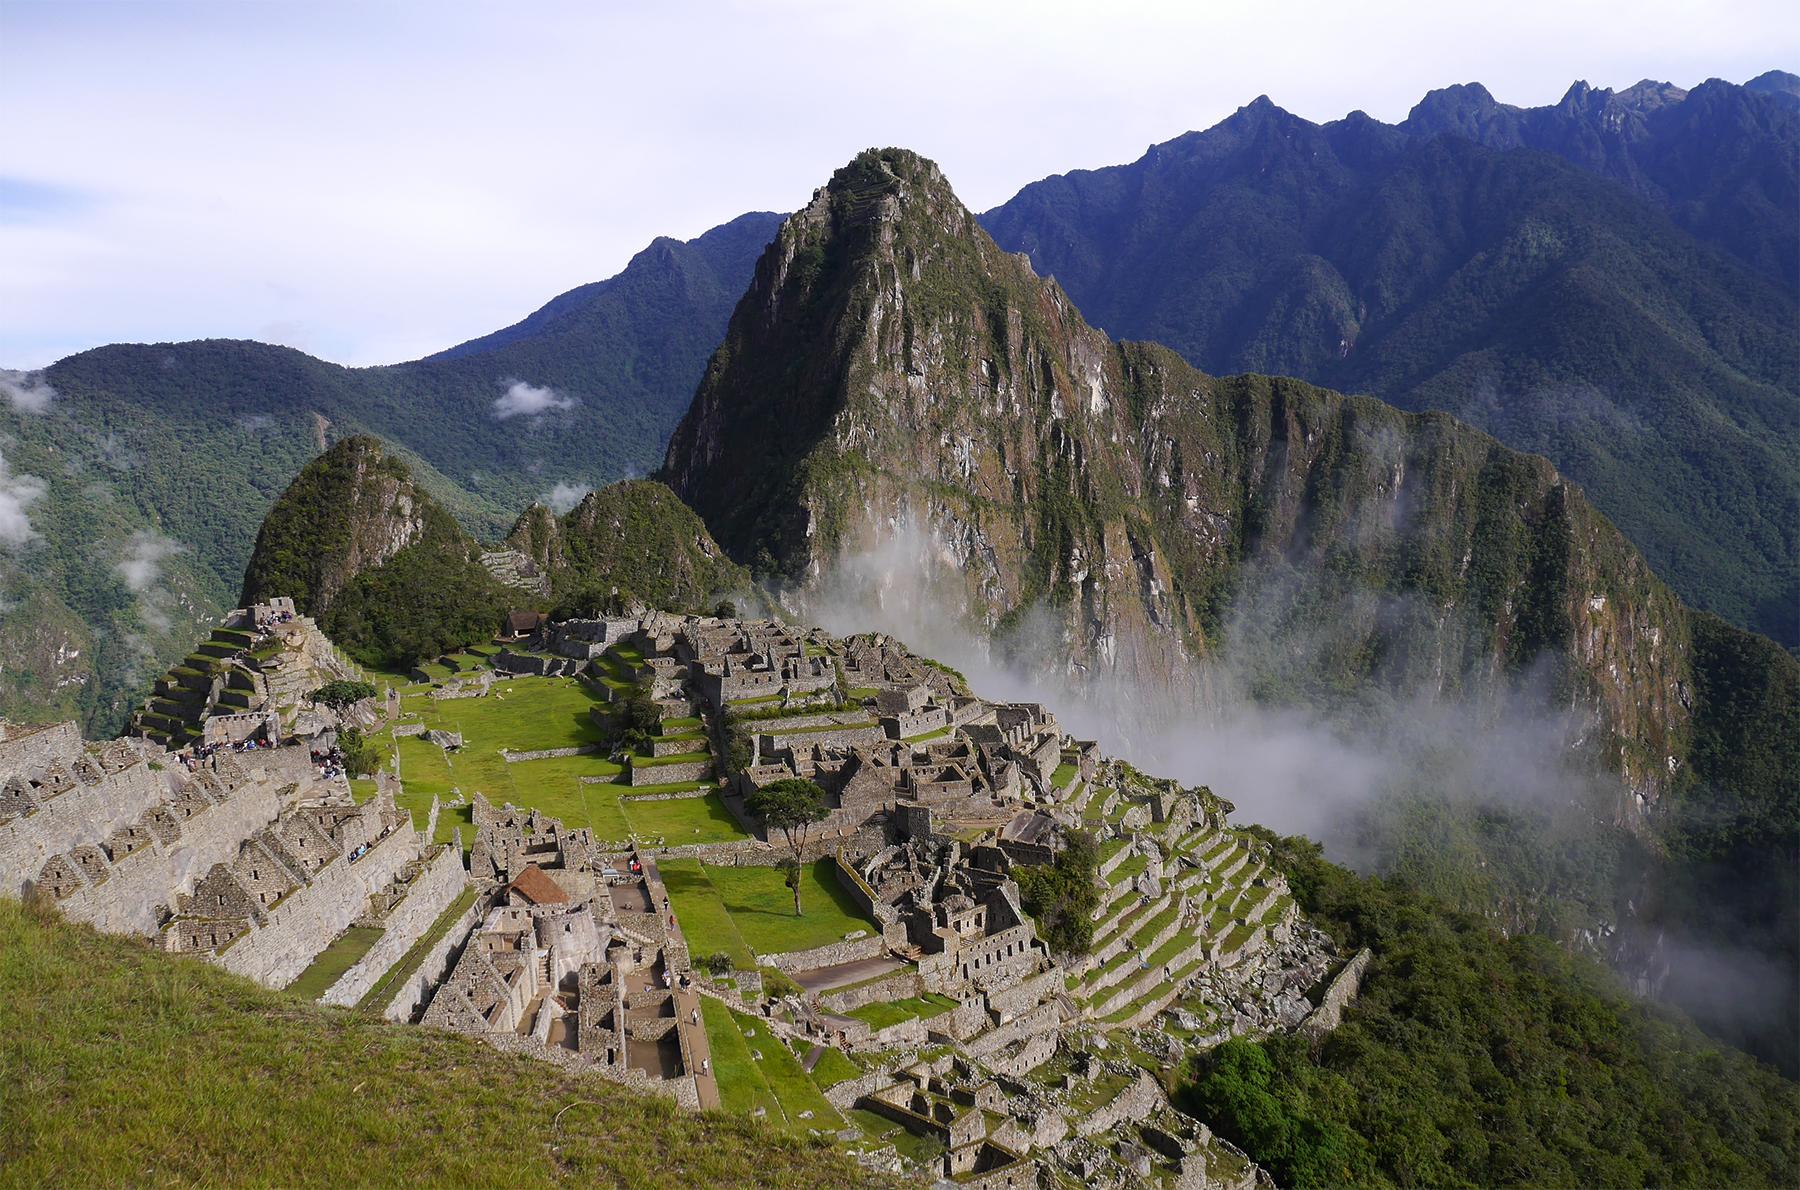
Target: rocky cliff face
[
  {"x": 347, "y": 512},
  {"x": 891, "y": 369}
]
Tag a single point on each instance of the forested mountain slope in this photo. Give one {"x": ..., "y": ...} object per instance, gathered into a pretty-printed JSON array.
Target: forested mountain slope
[
  {"x": 143, "y": 471},
  {"x": 1610, "y": 282},
  {"x": 891, "y": 371}
]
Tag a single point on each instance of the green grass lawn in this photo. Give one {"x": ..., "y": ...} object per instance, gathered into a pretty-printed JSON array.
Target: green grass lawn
[
  {"x": 1064, "y": 774},
  {"x": 742, "y": 1088},
  {"x": 833, "y": 1068},
  {"x": 762, "y": 908},
  {"x": 684, "y": 820},
  {"x": 334, "y": 960},
  {"x": 882, "y": 1014},
  {"x": 773, "y": 1081},
  {"x": 704, "y": 919},
  {"x": 124, "y": 1065}
]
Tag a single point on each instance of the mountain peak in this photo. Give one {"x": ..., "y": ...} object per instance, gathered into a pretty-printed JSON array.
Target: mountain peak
[{"x": 1775, "y": 82}]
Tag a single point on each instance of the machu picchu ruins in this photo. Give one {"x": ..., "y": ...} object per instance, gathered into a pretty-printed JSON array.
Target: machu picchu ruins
[{"x": 557, "y": 848}]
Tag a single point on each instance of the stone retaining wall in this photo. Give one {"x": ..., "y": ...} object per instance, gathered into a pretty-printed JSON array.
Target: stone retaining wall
[
  {"x": 901, "y": 985},
  {"x": 871, "y": 946},
  {"x": 308, "y": 919},
  {"x": 669, "y": 774},
  {"x": 1330, "y": 1012},
  {"x": 434, "y": 966},
  {"x": 1134, "y": 1103},
  {"x": 432, "y": 891},
  {"x": 146, "y": 881}
]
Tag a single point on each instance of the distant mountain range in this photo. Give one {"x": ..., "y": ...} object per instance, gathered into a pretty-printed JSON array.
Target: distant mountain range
[
  {"x": 146, "y": 474},
  {"x": 1610, "y": 281},
  {"x": 1602, "y": 281}
]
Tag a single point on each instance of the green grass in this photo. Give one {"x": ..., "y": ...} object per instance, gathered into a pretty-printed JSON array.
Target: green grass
[
  {"x": 880, "y": 1015},
  {"x": 702, "y": 913},
  {"x": 742, "y": 1088},
  {"x": 123, "y": 1065},
  {"x": 833, "y": 1068},
  {"x": 740, "y": 910},
  {"x": 388, "y": 986},
  {"x": 684, "y": 820},
  {"x": 762, "y": 908},
  {"x": 792, "y": 1087},
  {"x": 650, "y": 762},
  {"x": 334, "y": 960},
  {"x": 362, "y": 789},
  {"x": 1064, "y": 774},
  {"x": 924, "y": 736}
]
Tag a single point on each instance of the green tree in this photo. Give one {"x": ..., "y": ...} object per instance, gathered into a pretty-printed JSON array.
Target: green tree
[
  {"x": 340, "y": 694},
  {"x": 1063, "y": 894},
  {"x": 361, "y": 755},
  {"x": 790, "y": 806}
]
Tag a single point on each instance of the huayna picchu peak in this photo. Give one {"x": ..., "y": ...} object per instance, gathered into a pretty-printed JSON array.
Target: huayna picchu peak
[{"x": 892, "y": 379}]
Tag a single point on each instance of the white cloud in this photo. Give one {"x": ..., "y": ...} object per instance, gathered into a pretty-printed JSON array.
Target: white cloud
[
  {"x": 528, "y": 400},
  {"x": 564, "y": 496},
  {"x": 29, "y": 392},
  {"x": 17, "y": 492},
  {"x": 142, "y": 564}
]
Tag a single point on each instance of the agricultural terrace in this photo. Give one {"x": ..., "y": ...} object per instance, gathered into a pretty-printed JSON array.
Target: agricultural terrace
[
  {"x": 748, "y": 911},
  {"x": 531, "y": 714}
]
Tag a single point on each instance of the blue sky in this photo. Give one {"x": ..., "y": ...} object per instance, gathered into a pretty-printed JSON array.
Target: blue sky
[{"x": 374, "y": 181}]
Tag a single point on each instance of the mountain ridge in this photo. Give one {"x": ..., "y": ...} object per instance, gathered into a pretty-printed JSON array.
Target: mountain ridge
[{"x": 1546, "y": 294}]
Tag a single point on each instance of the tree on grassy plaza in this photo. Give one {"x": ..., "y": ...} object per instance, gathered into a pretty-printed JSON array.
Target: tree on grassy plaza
[
  {"x": 790, "y": 806},
  {"x": 790, "y": 875},
  {"x": 1063, "y": 894},
  {"x": 340, "y": 694},
  {"x": 361, "y": 756},
  {"x": 635, "y": 719}
]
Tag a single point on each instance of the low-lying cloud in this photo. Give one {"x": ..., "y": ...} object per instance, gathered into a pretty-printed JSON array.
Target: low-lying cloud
[
  {"x": 142, "y": 564},
  {"x": 528, "y": 400},
  {"x": 28, "y": 392},
  {"x": 17, "y": 493},
  {"x": 564, "y": 496}
]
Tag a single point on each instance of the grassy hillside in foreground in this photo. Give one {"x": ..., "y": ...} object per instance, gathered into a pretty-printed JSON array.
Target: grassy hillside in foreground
[{"x": 119, "y": 1064}]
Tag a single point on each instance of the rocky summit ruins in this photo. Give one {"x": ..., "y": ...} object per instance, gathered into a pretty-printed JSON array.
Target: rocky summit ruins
[{"x": 567, "y": 849}]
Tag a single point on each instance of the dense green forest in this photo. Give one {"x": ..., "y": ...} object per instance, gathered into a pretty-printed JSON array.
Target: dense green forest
[
  {"x": 630, "y": 540},
  {"x": 1471, "y": 1058},
  {"x": 1611, "y": 283}
]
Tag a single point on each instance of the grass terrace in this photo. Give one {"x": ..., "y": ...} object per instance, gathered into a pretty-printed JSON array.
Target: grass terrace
[
  {"x": 882, "y": 1015},
  {"x": 388, "y": 986},
  {"x": 745, "y": 910},
  {"x": 334, "y": 960}
]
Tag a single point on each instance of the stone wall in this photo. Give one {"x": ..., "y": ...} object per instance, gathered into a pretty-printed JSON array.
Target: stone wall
[
  {"x": 84, "y": 813},
  {"x": 870, "y": 946},
  {"x": 867, "y": 735},
  {"x": 440, "y": 882},
  {"x": 1135, "y": 1102},
  {"x": 434, "y": 966},
  {"x": 308, "y": 919},
  {"x": 899, "y": 986},
  {"x": 670, "y": 774},
  {"x": 144, "y": 883},
  {"x": 1330, "y": 1012}
]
